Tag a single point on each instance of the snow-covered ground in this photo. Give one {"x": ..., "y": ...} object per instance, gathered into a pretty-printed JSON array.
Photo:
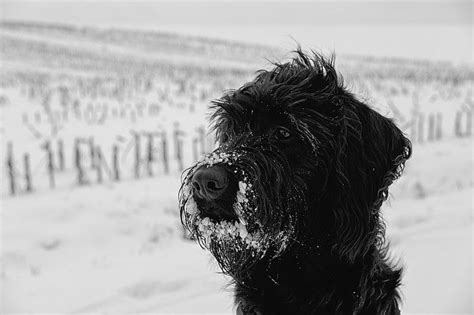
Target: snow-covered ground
[
  {"x": 118, "y": 247},
  {"x": 103, "y": 249}
]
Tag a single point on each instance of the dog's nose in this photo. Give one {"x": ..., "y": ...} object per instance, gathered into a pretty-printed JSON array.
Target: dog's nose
[{"x": 210, "y": 183}]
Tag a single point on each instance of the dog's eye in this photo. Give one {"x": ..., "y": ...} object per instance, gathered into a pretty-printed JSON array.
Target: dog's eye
[{"x": 282, "y": 133}]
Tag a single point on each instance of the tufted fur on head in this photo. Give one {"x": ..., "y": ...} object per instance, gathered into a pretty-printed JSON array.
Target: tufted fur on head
[{"x": 320, "y": 163}]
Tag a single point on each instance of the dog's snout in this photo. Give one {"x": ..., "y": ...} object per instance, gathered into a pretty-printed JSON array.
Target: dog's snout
[{"x": 210, "y": 183}]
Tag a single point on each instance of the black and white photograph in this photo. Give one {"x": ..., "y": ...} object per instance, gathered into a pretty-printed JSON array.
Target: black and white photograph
[{"x": 236, "y": 157}]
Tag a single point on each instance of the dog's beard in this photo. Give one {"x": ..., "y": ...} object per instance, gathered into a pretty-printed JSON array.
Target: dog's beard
[{"x": 262, "y": 229}]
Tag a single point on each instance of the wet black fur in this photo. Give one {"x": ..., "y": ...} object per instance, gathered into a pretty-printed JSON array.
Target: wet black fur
[{"x": 329, "y": 178}]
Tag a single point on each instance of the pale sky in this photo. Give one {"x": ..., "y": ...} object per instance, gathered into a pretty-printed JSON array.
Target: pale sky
[{"x": 420, "y": 29}]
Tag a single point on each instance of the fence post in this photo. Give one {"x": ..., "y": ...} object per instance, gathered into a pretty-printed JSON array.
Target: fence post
[
  {"x": 149, "y": 156},
  {"x": 457, "y": 124},
  {"x": 26, "y": 164},
  {"x": 176, "y": 134},
  {"x": 413, "y": 128},
  {"x": 439, "y": 126},
  {"x": 195, "y": 149},
  {"x": 78, "y": 163},
  {"x": 115, "y": 162},
  {"x": 415, "y": 114},
  {"x": 164, "y": 151},
  {"x": 421, "y": 126},
  {"x": 179, "y": 155},
  {"x": 98, "y": 166},
  {"x": 61, "y": 154},
  {"x": 431, "y": 127},
  {"x": 137, "y": 155},
  {"x": 11, "y": 168},
  {"x": 50, "y": 163},
  {"x": 178, "y": 143},
  {"x": 92, "y": 152}
]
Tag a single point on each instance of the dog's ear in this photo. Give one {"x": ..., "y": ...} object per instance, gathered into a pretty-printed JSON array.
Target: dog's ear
[
  {"x": 386, "y": 149},
  {"x": 372, "y": 154}
]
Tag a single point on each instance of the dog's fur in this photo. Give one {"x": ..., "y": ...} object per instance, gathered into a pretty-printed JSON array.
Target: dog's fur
[{"x": 320, "y": 162}]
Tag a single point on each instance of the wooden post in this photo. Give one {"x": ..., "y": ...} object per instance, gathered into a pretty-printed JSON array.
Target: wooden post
[
  {"x": 91, "y": 152},
  {"x": 180, "y": 155},
  {"x": 439, "y": 126},
  {"x": 195, "y": 149},
  {"x": 137, "y": 155},
  {"x": 457, "y": 124},
  {"x": 50, "y": 163},
  {"x": 98, "y": 166},
  {"x": 150, "y": 157},
  {"x": 61, "y": 154},
  {"x": 115, "y": 162},
  {"x": 11, "y": 169},
  {"x": 178, "y": 143},
  {"x": 26, "y": 164},
  {"x": 431, "y": 127},
  {"x": 164, "y": 152},
  {"x": 415, "y": 114},
  {"x": 176, "y": 134},
  {"x": 421, "y": 126},
  {"x": 414, "y": 125},
  {"x": 78, "y": 163}
]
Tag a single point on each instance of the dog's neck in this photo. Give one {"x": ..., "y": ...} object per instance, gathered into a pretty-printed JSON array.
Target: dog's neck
[{"x": 318, "y": 280}]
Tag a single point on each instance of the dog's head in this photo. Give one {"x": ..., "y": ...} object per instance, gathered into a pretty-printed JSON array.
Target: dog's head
[{"x": 301, "y": 163}]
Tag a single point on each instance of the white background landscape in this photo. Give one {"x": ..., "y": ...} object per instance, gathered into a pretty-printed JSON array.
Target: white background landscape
[{"x": 72, "y": 72}]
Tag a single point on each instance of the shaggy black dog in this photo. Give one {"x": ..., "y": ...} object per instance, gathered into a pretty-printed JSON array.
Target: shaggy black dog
[{"x": 289, "y": 202}]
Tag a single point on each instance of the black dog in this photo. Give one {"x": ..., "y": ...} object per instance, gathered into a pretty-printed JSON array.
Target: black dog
[{"x": 289, "y": 203}]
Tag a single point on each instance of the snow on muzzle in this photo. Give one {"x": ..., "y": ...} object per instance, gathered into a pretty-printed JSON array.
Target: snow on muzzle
[{"x": 238, "y": 228}]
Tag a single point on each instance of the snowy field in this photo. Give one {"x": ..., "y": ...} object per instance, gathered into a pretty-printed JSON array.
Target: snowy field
[
  {"x": 118, "y": 246},
  {"x": 102, "y": 249}
]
